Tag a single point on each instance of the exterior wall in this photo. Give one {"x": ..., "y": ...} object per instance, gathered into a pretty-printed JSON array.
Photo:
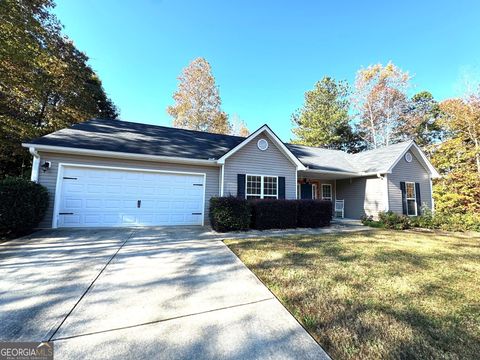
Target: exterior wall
[
  {"x": 363, "y": 196},
  {"x": 49, "y": 178},
  {"x": 414, "y": 172},
  {"x": 251, "y": 160}
]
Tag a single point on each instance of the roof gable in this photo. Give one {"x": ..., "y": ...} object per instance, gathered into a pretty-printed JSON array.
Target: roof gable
[
  {"x": 280, "y": 145},
  {"x": 381, "y": 159}
]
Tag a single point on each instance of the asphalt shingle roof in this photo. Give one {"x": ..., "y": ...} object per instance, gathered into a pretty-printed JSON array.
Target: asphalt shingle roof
[
  {"x": 322, "y": 159},
  {"x": 381, "y": 159},
  {"x": 136, "y": 138}
]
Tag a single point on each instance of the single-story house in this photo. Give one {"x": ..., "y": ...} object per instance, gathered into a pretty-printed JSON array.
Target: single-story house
[{"x": 103, "y": 173}]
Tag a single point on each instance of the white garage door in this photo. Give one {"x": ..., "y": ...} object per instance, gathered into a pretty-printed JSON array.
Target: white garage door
[{"x": 101, "y": 197}]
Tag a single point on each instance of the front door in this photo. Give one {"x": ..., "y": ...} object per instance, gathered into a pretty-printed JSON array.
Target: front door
[{"x": 306, "y": 191}]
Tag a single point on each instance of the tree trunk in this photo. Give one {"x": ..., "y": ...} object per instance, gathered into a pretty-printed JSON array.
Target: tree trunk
[{"x": 477, "y": 154}]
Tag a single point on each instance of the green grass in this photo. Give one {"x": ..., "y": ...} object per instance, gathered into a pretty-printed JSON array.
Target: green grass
[{"x": 377, "y": 294}]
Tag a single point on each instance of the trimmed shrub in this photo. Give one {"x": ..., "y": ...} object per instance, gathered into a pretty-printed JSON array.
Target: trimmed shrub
[
  {"x": 274, "y": 214},
  {"x": 394, "y": 221},
  {"x": 23, "y": 204},
  {"x": 232, "y": 213},
  {"x": 229, "y": 214},
  {"x": 314, "y": 213}
]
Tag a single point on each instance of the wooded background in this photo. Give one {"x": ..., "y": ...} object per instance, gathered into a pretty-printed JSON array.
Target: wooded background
[{"x": 46, "y": 84}]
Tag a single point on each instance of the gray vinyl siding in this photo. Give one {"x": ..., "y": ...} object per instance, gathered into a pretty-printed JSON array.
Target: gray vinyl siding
[
  {"x": 413, "y": 172},
  {"x": 251, "y": 160},
  {"x": 363, "y": 196},
  {"x": 49, "y": 178}
]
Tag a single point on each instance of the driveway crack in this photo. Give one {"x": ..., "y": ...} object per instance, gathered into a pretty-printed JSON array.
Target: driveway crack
[
  {"x": 162, "y": 320},
  {"x": 90, "y": 286}
]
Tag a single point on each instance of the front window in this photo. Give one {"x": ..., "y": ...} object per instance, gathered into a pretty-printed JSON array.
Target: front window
[
  {"x": 411, "y": 198},
  {"x": 327, "y": 192},
  {"x": 261, "y": 187},
  {"x": 254, "y": 187}
]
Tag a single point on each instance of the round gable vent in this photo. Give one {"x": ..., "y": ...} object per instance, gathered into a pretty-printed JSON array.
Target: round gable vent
[
  {"x": 262, "y": 144},
  {"x": 408, "y": 157}
]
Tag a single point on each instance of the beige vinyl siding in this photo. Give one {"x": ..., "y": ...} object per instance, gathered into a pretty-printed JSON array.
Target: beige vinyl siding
[
  {"x": 363, "y": 196},
  {"x": 414, "y": 172},
  {"x": 49, "y": 178},
  {"x": 251, "y": 160}
]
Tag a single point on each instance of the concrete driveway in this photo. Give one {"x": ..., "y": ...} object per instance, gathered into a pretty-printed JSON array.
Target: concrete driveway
[{"x": 142, "y": 293}]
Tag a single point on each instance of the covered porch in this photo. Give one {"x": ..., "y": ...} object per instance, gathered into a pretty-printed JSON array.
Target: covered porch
[{"x": 314, "y": 184}]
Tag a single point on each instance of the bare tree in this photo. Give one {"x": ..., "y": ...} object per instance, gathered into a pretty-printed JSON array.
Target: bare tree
[
  {"x": 239, "y": 128},
  {"x": 380, "y": 99}
]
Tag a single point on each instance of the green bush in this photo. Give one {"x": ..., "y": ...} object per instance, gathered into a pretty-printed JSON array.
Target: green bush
[
  {"x": 23, "y": 204},
  {"x": 428, "y": 220},
  {"x": 394, "y": 221},
  {"x": 229, "y": 214},
  {"x": 448, "y": 222},
  {"x": 369, "y": 221}
]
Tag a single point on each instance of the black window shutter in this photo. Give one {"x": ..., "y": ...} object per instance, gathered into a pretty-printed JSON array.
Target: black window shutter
[
  {"x": 419, "y": 199},
  {"x": 281, "y": 187},
  {"x": 404, "y": 197},
  {"x": 241, "y": 186}
]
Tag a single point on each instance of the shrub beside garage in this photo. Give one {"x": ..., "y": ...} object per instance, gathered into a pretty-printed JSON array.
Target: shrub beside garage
[
  {"x": 23, "y": 204},
  {"x": 237, "y": 214},
  {"x": 229, "y": 214}
]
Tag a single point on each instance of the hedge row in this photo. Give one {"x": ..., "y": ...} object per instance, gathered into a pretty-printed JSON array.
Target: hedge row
[
  {"x": 232, "y": 213},
  {"x": 22, "y": 206}
]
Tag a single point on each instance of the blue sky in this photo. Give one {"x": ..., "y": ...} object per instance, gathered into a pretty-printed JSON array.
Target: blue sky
[{"x": 266, "y": 54}]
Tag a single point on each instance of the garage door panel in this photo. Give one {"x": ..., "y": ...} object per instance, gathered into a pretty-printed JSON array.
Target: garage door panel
[
  {"x": 73, "y": 188},
  {"x": 73, "y": 203},
  {"x": 95, "y": 189},
  {"x": 106, "y": 197}
]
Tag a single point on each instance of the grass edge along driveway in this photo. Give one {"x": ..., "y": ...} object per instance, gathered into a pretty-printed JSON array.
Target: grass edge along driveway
[{"x": 376, "y": 294}]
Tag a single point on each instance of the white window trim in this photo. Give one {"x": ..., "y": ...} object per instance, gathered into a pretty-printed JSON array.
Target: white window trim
[
  {"x": 321, "y": 192},
  {"x": 262, "y": 195},
  {"x": 314, "y": 191},
  {"x": 414, "y": 197}
]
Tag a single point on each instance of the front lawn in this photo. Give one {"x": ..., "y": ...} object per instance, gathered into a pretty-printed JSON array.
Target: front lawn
[{"x": 377, "y": 294}]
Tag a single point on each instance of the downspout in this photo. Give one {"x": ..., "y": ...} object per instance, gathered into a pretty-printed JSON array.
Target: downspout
[
  {"x": 431, "y": 195},
  {"x": 296, "y": 183},
  {"x": 35, "y": 164},
  {"x": 222, "y": 176}
]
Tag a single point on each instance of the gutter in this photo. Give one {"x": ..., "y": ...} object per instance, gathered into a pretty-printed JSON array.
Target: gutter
[
  {"x": 348, "y": 174},
  {"x": 118, "y": 155}
]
